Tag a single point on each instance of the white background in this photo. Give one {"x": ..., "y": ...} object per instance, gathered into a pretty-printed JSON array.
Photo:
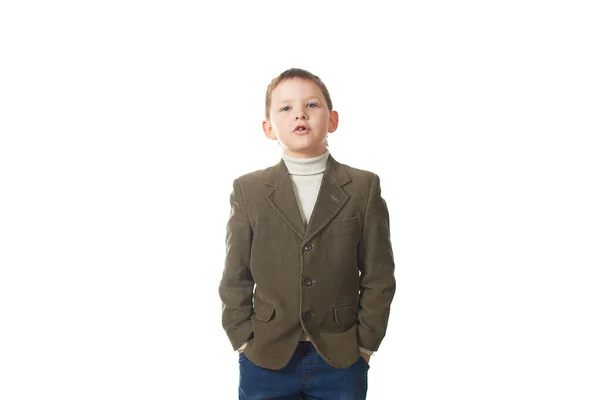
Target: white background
[{"x": 124, "y": 123}]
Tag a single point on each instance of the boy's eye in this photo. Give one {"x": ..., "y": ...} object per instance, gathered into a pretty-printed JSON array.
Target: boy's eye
[
  {"x": 286, "y": 108},
  {"x": 312, "y": 105}
]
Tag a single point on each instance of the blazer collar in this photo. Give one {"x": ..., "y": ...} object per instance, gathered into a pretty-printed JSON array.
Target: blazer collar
[{"x": 330, "y": 200}]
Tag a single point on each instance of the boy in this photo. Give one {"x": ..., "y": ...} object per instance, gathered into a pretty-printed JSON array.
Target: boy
[{"x": 309, "y": 270}]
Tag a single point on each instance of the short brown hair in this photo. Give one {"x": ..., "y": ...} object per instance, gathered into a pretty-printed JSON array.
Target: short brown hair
[{"x": 291, "y": 74}]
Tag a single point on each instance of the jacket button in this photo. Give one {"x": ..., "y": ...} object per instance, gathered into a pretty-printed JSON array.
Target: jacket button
[
  {"x": 307, "y": 247},
  {"x": 307, "y": 281},
  {"x": 306, "y": 315}
]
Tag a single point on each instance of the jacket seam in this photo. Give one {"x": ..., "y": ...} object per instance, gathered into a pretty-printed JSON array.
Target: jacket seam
[
  {"x": 243, "y": 200},
  {"x": 370, "y": 195}
]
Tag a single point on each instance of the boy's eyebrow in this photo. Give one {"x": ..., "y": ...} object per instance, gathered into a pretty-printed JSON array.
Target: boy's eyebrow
[{"x": 308, "y": 98}]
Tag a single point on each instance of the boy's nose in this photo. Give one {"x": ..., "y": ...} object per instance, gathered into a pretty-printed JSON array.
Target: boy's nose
[{"x": 301, "y": 116}]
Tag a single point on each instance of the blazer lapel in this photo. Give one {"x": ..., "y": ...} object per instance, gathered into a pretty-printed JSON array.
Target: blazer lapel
[
  {"x": 330, "y": 200},
  {"x": 283, "y": 198}
]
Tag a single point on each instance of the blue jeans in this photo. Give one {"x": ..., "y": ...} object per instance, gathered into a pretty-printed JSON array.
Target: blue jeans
[{"x": 307, "y": 376}]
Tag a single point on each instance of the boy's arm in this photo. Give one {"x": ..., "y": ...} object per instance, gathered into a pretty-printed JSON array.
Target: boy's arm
[
  {"x": 237, "y": 285},
  {"x": 376, "y": 264}
]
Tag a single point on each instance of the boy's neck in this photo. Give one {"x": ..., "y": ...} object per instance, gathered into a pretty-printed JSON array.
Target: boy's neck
[
  {"x": 306, "y": 166},
  {"x": 294, "y": 155}
]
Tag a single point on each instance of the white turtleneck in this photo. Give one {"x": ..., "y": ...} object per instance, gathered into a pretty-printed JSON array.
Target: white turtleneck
[{"x": 306, "y": 175}]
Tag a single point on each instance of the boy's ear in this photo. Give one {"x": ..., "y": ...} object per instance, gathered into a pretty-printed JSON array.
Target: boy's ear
[
  {"x": 333, "y": 121},
  {"x": 268, "y": 130}
]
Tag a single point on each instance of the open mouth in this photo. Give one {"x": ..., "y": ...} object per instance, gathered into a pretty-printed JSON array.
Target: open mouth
[{"x": 302, "y": 129}]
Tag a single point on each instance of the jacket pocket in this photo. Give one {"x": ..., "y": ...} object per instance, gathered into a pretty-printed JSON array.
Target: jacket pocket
[
  {"x": 342, "y": 225},
  {"x": 344, "y": 314},
  {"x": 264, "y": 313}
]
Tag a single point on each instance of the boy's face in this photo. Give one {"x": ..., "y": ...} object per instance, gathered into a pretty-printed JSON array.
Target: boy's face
[{"x": 299, "y": 118}]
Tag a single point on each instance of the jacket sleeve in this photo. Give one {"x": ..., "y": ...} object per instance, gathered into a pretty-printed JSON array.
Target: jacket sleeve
[
  {"x": 376, "y": 265},
  {"x": 237, "y": 285}
]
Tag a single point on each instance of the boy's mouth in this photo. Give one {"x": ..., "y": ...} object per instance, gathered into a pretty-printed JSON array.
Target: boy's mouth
[{"x": 302, "y": 129}]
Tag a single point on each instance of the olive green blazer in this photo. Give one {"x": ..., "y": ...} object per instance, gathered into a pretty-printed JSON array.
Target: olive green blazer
[{"x": 333, "y": 278}]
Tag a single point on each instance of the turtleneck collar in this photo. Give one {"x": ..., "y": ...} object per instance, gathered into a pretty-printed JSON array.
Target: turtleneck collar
[{"x": 306, "y": 166}]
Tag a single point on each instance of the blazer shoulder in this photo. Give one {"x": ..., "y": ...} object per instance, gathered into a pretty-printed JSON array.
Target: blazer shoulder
[
  {"x": 252, "y": 184},
  {"x": 359, "y": 175}
]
